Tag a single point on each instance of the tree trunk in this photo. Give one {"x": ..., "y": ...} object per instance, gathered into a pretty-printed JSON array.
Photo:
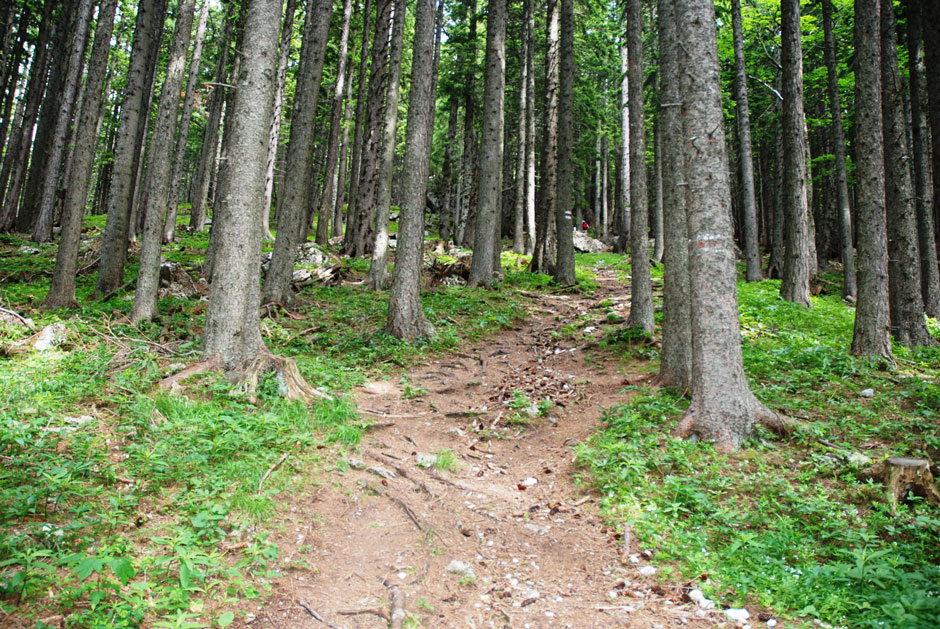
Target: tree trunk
[
  {"x": 17, "y": 154},
  {"x": 722, "y": 407},
  {"x": 518, "y": 236},
  {"x": 343, "y": 168},
  {"x": 182, "y": 140},
  {"x": 378, "y": 271},
  {"x": 491, "y": 148},
  {"x": 449, "y": 209},
  {"x": 531, "y": 229},
  {"x": 920, "y": 148},
  {"x": 326, "y": 200},
  {"x": 564, "y": 262},
  {"x": 300, "y": 150},
  {"x": 676, "y": 361},
  {"x": 287, "y": 33},
  {"x": 623, "y": 228},
  {"x": 641, "y": 286},
  {"x": 849, "y": 288},
  {"x": 904, "y": 289},
  {"x": 931, "y": 24},
  {"x": 360, "y": 131},
  {"x": 743, "y": 119},
  {"x": 233, "y": 331},
  {"x": 42, "y": 229},
  {"x": 62, "y": 291},
  {"x": 796, "y": 262},
  {"x": 406, "y": 318},
  {"x": 361, "y": 216},
  {"x": 53, "y": 107},
  {"x": 871, "y": 336},
  {"x": 656, "y": 222},
  {"x": 543, "y": 259},
  {"x": 149, "y": 24},
  {"x": 160, "y": 169},
  {"x": 210, "y": 140}
]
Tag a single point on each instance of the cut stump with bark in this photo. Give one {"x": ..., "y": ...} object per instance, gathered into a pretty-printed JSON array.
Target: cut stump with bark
[{"x": 903, "y": 475}]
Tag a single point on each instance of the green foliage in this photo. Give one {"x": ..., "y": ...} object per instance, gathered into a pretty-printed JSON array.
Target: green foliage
[{"x": 786, "y": 525}]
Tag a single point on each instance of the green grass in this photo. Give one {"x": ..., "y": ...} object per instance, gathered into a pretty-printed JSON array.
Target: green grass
[
  {"x": 119, "y": 498},
  {"x": 787, "y": 525}
]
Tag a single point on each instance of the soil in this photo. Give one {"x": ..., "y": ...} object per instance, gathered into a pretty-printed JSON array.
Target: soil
[{"x": 505, "y": 537}]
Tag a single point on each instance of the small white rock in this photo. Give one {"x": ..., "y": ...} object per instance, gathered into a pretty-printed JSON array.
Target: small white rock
[
  {"x": 699, "y": 599},
  {"x": 648, "y": 571},
  {"x": 867, "y": 393},
  {"x": 460, "y": 568},
  {"x": 772, "y": 623},
  {"x": 530, "y": 482},
  {"x": 737, "y": 615}
]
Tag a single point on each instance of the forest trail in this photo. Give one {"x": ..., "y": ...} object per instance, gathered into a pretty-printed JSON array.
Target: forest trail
[{"x": 523, "y": 541}]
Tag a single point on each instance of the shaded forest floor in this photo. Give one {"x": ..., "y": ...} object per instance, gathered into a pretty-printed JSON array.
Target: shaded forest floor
[{"x": 517, "y": 471}]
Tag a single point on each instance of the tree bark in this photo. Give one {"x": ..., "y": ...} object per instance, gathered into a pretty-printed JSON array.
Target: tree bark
[
  {"x": 469, "y": 158},
  {"x": 62, "y": 291},
  {"x": 336, "y": 118},
  {"x": 210, "y": 140},
  {"x": 406, "y": 318},
  {"x": 564, "y": 262},
  {"x": 17, "y": 154},
  {"x": 233, "y": 331},
  {"x": 378, "y": 271},
  {"x": 531, "y": 229},
  {"x": 920, "y": 148},
  {"x": 300, "y": 149},
  {"x": 149, "y": 25},
  {"x": 448, "y": 170},
  {"x": 182, "y": 140},
  {"x": 342, "y": 168},
  {"x": 931, "y": 23},
  {"x": 482, "y": 270},
  {"x": 361, "y": 217},
  {"x": 722, "y": 408},
  {"x": 518, "y": 236},
  {"x": 42, "y": 229},
  {"x": 676, "y": 362},
  {"x": 904, "y": 288},
  {"x": 623, "y": 228},
  {"x": 159, "y": 169},
  {"x": 796, "y": 262},
  {"x": 641, "y": 286},
  {"x": 849, "y": 285},
  {"x": 543, "y": 259},
  {"x": 360, "y": 129},
  {"x": 871, "y": 335},
  {"x": 287, "y": 33},
  {"x": 743, "y": 119}
]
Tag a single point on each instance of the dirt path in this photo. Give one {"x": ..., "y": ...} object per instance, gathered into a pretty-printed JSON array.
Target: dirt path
[{"x": 505, "y": 539}]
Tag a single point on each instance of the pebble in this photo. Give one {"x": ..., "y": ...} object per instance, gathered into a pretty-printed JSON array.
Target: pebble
[
  {"x": 648, "y": 571},
  {"x": 356, "y": 464},
  {"x": 460, "y": 568},
  {"x": 530, "y": 482},
  {"x": 535, "y": 528},
  {"x": 699, "y": 599},
  {"x": 867, "y": 393},
  {"x": 457, "y": 432},
  {"x": 425, "y": 460},
  {"x": 772, "y": 623},
  {"x": 737, "y": 615}
]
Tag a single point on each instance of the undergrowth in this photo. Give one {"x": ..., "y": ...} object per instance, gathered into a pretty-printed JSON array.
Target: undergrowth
[
  {"x": 793, "y": 526},
  {"x": 124, "y": 507}
]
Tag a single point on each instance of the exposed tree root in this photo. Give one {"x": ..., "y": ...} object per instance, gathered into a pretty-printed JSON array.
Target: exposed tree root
[
  {"x": 725, "y": 439},
  {"x": 209, "y": 364},
  {"x": 290, "y": 383},
  {"x": 397, "y": 605}
]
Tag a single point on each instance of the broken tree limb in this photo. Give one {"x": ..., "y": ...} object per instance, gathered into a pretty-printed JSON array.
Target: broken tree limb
[
  {"x": 397, "y": 605},
  {"x": 200, "y": 367},
  {"x": 271, "y": 469},
  {"x": 317, "y": 616}
]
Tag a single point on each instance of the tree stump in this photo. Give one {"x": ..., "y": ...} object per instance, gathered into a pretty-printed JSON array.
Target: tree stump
[{"x": 903, "y": 474}]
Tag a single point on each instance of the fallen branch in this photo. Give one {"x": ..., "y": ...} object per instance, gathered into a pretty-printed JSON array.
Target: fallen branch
[
  {"x": 317, "y": 616},
  {"x": 25, "y": 321},
  {"x": 271, "y": 469},
  {"x": 401, "y": 471},
  {"x": 358, "y": 612},
  {"x": 401, "y": 503},
  {"x": 397, "y": 605}
]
